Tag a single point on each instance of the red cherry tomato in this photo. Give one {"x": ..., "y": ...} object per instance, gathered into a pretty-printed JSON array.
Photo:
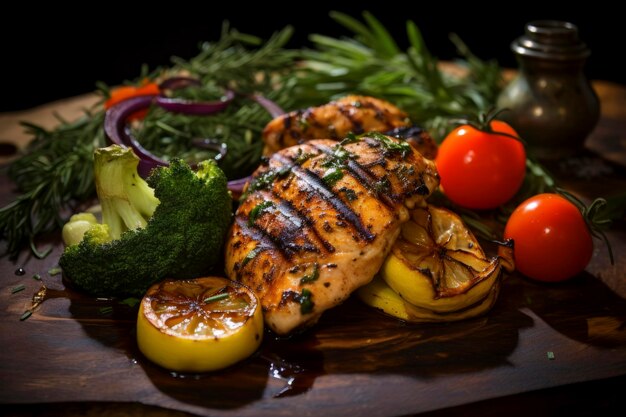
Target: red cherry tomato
[
  {"x": 481, "y": 170},
  {"x": 551, "y": 239}
]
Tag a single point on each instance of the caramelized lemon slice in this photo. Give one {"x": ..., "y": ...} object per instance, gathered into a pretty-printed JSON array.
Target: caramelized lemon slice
[
  {"x": 437, "y": 264},
  {"x": 199, "y": 325},
  {"x": 379, "y": 295}
]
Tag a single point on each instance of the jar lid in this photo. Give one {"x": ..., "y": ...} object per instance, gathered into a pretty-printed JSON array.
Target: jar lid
[{"x": 551, "y": 39}]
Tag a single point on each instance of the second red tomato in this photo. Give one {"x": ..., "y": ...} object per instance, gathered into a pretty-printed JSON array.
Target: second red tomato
[{"x": 481, "y": 170}]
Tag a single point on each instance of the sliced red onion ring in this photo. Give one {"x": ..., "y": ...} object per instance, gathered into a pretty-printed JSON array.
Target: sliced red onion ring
[
  {"x": 178, "y": 105},
  {"x": 117, "y": 131},
  {"x": 272, "y": 108},
  {"x": 174, "y": 83}
]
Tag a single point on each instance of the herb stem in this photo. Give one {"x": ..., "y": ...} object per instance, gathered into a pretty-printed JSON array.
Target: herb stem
[{"x": 216, "y": 297}]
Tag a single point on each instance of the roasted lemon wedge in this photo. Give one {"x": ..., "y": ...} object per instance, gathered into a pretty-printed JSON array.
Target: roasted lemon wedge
[
  {"x": 436, "y": 271},
  {"x": 199, "y": 325},
  {"x": 379, "y": 295}
]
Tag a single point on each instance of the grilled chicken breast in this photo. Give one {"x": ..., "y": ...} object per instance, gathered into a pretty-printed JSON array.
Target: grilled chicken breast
[
  {"x": 318, "y": 220},
  {"x": 356, "y": 114}
]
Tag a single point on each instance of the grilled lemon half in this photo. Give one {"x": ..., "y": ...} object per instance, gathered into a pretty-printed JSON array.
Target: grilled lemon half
[{"x": 199, "y": 325}]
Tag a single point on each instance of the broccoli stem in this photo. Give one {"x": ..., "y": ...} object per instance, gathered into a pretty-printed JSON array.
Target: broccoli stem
[{"x": 127, "y": 200}]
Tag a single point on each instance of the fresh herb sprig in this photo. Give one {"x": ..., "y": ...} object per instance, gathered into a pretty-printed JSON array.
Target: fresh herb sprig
[
  {"x": 371, "y": 63},
  {"x": 54, "y": 174},
  {"x": 243, "y": 63}
]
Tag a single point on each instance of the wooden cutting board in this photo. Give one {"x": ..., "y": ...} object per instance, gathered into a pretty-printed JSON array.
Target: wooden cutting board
[{"x": 355, "y": 361}]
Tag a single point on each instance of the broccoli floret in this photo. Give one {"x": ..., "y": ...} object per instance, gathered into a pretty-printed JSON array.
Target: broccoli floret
[{"x": 171, "y": 226}]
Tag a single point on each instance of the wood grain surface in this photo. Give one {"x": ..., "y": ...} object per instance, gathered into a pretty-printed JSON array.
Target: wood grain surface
[{"x": 70, "y": 358}]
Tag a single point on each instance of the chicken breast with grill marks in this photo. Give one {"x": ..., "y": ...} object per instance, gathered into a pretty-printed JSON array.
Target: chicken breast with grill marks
[
  {"x": 356, "y": 114},
  {"x": 318, "y": 221}
]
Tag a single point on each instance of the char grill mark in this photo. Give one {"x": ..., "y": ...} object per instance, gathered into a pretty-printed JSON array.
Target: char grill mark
[
  {"x": 301, "y": 220},
  {"x": 283, "y": 243},
  {"x": 363, "y": 176},
  {"x": 317, "y": 186},
  {"x": 346, "y": 112}
]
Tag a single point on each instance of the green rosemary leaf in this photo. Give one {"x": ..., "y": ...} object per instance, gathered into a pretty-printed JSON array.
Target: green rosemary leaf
[
  {"x": 106, "y": 310},
  {"x": 18, "y": 288},
  {"x": 354, "y": 25},
  {"x": 352, "y": 49},
  {"x": 216, "y": 297},
  {"x": 25, "y": 315},
  {"x": 54, "y": 271},
  {"x": 385, "y": 43}
]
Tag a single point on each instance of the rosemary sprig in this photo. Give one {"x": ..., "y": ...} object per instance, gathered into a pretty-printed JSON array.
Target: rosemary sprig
[
  {"x": 216, "y": 297},
  {"x": 55, "y": 173},
  {"x": 230, "y": 63},
  {"x": 372, "y": 63}
]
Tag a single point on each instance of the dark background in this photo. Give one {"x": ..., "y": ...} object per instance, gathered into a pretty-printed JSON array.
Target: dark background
[{"x": 54, "y": 52}]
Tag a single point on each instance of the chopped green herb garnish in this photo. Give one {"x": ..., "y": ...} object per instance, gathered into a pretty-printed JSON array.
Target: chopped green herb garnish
[
  {"x": 350, "y": 138},
  {"x": 251, "y": 255},
  {"x": 349, "y": 193},
  {"x": 551, "y": 356},
  {"x": 54, "y": 271},
  {"x": 332, "y": 176},
  {"x": 403, "y": 173},
  {"x": 306, "y": 302},
  {"x": 339, "y": 157},
  {"x": 313, "y": 276},
  {"x": 216, "y": 297},
  {"x": 262, "y": 181},
  {"x": 266, "y": 179},
  {"x": 37, "y": 277},
  {"x": 257, "y": 211},
  {"x": 26, "y": 315},
  {"x": 106, "y": 310},
  {"x": 18, "y": 288},
  {"x": 302, "y": 157},
  {"x": 389, "y": 144},
  {"x": 383, "y": 185}
]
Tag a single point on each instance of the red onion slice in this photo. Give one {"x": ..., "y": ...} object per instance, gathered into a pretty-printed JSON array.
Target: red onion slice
[
  {"x": 117, "y": 131},
  {"x": 272, "y": 108},
  {"x": 236, "y": 187},
  {"x": 174, "y": 83},
  {"x": 177, "y": 105}
]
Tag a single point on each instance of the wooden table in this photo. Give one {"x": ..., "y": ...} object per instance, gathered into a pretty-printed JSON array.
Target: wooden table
[{"x": 70, "y": 359}]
